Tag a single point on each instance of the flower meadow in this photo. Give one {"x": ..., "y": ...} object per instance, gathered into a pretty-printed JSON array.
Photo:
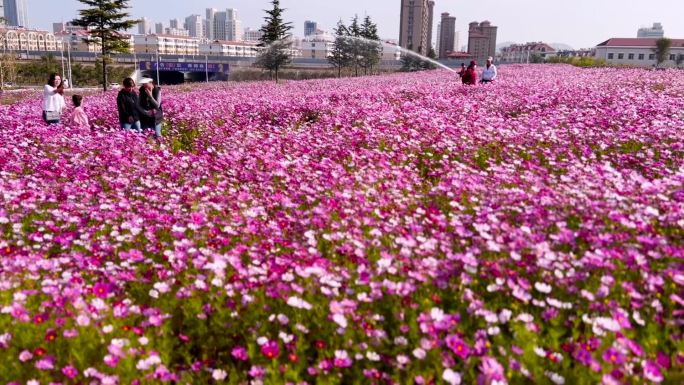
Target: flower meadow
[{"x": 402, "y": 229}]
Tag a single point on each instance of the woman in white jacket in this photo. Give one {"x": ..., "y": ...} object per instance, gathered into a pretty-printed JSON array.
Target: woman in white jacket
[{"x": 53, "y": 99}]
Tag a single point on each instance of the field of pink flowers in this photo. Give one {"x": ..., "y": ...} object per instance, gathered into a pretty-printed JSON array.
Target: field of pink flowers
[{"x": 384, "y": 230}]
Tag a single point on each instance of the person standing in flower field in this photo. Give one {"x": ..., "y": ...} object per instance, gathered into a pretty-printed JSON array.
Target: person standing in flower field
[
  {"x": 53, "y": 99},
  {"x": 462, "y": 71},
  {"x": 470, "y": 76},
  {"x": 151, "y": 103},
  {"x": 489, "y": 72},
  {"x": 79, "y": 119},
  {"x": 128, "y": 105}
]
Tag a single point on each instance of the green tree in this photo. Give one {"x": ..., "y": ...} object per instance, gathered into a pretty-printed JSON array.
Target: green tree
[
  {"x": 275, "y": 41},
  {"x": 662, "y": 50},
  {"x": 355, "y": 46},
  {"x": 106, "y": 19},
  {"x": 8, "y": 68},
  {"x": 340, "y": 57},
  {"x": 371, "y": 47}
]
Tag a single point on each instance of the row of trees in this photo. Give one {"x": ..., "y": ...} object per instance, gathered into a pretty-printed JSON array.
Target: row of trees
[
  {"x": 15, "y": 71},
  {"x": 356, "y": 46}
]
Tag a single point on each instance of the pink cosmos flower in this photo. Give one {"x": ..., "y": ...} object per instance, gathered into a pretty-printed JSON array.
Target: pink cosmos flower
[
  {"x": 652, "y": 372},
  {"x": 240, "y": 353},
  {"x": 70, "y": 372},
  {"x": 613, "y": 356},
  {"x": 270, "y": 349},
  {"x": 456, "y": 344}
]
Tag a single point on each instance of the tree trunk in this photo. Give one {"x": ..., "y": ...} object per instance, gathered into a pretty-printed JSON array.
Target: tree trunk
[
  {"x": 276, "y": 75},
  {"x": 339, "y": 72},
  {"x": 104, "y": 73}
]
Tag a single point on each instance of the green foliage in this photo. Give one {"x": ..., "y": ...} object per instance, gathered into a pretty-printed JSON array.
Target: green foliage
[
  {"x": 585, "y": 62},
  {"x": 356, "y": 46},
  {"x": 340, "y": 57},
  {"x": 105, "y": 19},
  {"x": 275, "y": 40},
  {"x": 662, "y": 50}
]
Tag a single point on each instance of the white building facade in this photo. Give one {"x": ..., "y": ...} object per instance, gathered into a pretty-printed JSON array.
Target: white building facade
[
  {"x": 638, "y": 52},
  {"x": 166, "y": 45},
  {"x": 228, "y": 48}
]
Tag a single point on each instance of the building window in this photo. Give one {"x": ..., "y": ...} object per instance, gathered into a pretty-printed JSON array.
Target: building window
[
  {"x": 621, "y": 56},
  {"x": 630, "y": 56},
  {"x": 673, "y": 57},
  {"x": 610, "y": 56},
  {"x": 651, "y": 56},
  {"x": 641, "y": 56}
]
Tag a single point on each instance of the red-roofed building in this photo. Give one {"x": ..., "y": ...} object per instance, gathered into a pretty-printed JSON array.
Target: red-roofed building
[{"x": 638, "y": 52}]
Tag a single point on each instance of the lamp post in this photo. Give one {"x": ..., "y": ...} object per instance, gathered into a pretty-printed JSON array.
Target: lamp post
[
  {"x": 71, "y": 80},
  {"x": 206, "y": 66},
  {"x": 158, "y": 67}
]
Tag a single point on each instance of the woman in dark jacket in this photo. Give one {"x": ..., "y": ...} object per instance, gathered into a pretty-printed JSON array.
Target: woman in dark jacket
[
  {"x": 151, "y": 103},
  {"x": 128, "y": 105},
  {"x": 470, "y": 76}
]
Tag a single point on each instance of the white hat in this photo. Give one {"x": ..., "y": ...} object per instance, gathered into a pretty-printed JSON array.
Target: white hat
[{"x": 146, "y": 80}]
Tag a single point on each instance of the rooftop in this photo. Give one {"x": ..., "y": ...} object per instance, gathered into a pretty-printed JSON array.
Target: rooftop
[{"x": 637, "y": 42}]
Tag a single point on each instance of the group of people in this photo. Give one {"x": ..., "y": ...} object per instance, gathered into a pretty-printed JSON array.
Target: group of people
[
  {"x": 469, "y": 75},
  {"x": 139, "y": 110}
]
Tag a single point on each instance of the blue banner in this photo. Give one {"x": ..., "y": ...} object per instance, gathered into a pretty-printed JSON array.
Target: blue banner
[{"x": 185, "y": 67}]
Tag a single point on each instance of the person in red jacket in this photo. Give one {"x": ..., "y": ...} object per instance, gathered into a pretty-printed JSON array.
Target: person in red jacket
[{"x": 470, "y": 76}]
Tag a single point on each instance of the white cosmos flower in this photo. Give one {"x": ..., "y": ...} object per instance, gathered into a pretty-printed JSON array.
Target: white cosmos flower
[{"x": 451, "y": 377}]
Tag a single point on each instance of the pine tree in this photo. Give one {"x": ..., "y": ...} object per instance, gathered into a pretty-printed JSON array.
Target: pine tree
[
  {"x": 354, "y": 32},
  {"x": 275, "y": 40},
  {"x": 340, "y": 56},
  {"x": 662, "y": 50},
  {"x": 105, "y": 19},
  {"x": 371, "y": 47}
]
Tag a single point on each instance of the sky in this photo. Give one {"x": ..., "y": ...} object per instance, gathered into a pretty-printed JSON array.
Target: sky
[{"x": 578, "y": 23}]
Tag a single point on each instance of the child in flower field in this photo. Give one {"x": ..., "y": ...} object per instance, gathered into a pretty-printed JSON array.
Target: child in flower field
[{"x": 79, "y": 119}]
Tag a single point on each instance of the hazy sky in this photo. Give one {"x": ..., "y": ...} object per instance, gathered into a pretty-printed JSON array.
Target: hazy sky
[{"x": 579, "y": 23}]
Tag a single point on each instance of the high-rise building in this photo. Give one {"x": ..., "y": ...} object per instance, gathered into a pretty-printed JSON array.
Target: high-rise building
[
  {"x": 145, "y": 26},
  {"x": 195, "y": 25},
  {"x": 253, "y": 34},
  {"x": 175, "y": 23},
  {"x": 656, "y": 31},
  {"x": 226, "y": 26},
  {"x": 439, "y": 37},
  {"x": 15, "y": 13},
  {"x": 2, "y": 12},
  {"x": 481, "y": 40},
  {"x": 159, "y": 28},
  {"x": 310, "y": 28},
  {"x": 219, "y": 26},
  {"x": 234, "y": 30},
  {"x": 415, "y": 30},
  {"x": 447, "y": 34},
  {"x": 209, "y": 23}
]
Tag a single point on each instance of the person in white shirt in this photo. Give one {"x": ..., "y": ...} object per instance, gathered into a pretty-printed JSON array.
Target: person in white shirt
[
  {"x": 489, "y": 71},
  {"x": 53, "y": 99}
]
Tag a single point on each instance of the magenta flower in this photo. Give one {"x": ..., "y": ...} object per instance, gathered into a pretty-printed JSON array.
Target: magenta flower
[
  {"x": 101, "y": 290},
  {"x": 70, "y": 372},
  {"x": 652, "y": 372},
  {"x": 456, "y": 344},
  {"x": 490, "y": 370},
  {"x": 270, "y": 349},
  {"x": 613, "y": 356},
  {"x": 342, "y": 359},
  {"x": 240, "y": 353}
]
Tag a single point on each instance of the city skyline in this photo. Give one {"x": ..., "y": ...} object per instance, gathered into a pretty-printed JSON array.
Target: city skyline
[{"x": 583, "y": 24}]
